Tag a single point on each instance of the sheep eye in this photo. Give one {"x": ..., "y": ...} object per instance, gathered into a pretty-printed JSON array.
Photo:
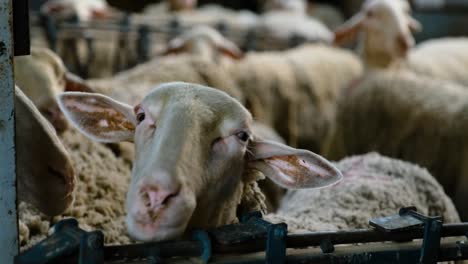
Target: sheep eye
[
  {"x": 243, "y": 136},
  {"x": 140, "y": 117}
]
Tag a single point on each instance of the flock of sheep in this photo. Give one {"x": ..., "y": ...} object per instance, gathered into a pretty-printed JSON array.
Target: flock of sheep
[{"x": 205, "y": 133}]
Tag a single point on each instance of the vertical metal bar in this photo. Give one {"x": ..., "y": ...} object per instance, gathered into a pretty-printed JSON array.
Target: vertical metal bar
[
  {"x": 21, "y": 40},
  {"x": 8, "y": 214}
]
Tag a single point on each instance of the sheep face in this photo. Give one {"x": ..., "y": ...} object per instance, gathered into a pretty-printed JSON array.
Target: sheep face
[
  {"x": 193, "y": 144},
  {"x": 45, "y": 174},
  {"x": 386, "y": 26}
]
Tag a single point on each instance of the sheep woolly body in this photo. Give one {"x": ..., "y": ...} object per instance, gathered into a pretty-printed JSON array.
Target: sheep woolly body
[
  {"x": 445, "y": 58},
  {"x": 406, "y": 116},
  {"x": 102, "y": 181},
  {"x": 296, "y": 86},
  {"x": 373, "y": 186},
  {"x": 377, "y": 186},
  {"x": 130, "y": 86}
]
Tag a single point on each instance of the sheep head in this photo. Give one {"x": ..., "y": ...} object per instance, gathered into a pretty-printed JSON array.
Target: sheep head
[
  {"x": 46, "y": 178},
  {"x": 205, "y": 42},
  {"x": 42, "y": 76},
  {"x": 193, "y": 145},
  {"x": 386, "y": 27}
]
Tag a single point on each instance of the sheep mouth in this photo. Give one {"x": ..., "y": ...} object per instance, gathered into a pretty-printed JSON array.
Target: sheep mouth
[{"x": 167, "y": 222}]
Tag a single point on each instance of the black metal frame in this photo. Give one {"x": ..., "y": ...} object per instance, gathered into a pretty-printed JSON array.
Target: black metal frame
[
  {"x": 172, "y": 28},
  {"x": 70, "y": 244}
]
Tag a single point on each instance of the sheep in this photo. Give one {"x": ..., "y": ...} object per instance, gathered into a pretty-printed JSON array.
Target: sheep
[
  {"x": 45, "y": 176},
  {"x": 170, "y": 6},
  {"x": 42, "y": 76},
  {"x": 383, "y": 29},
  {"x": 387, "y": 43},
  {"x": 325, "y": 13},
  {"x": 85, "y": 10},
  {"x": 286, "y": 19},
  {"x": 444, "y": 58},
  {"x": 205, "y": 42},
  {"x": 287, "y": 90},
  {"x": 224, "y": 160},
  {"x": 409, "y": 117}
]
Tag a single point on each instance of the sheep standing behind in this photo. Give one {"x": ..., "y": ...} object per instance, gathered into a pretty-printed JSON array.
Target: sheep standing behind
[
  {"x": 286, "y": 19},
  {"x": 327, "y": 14},
  {"x": 406, "y": 116},
  {"x": 445, "y": 58},
  {"x": 383, "y": 30},
  {"x": 398, "y": 183}
]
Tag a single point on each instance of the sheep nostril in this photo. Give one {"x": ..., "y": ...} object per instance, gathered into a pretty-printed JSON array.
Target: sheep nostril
[{"x": 154, "y": 198}]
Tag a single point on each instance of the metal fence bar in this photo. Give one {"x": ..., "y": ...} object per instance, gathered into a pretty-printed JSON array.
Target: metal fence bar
[{"x": 8, "y": 213}]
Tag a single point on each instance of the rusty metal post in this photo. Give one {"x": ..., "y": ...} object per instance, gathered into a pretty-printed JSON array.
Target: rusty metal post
[{"x": 8, "y": 214}]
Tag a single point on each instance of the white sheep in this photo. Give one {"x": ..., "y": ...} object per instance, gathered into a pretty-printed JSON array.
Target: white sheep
[
  {"x": 445, "y": 58},
  {"x": 383, "y": 29},
  {"x": 410, "y": 117},
  {"x": 85, "y": 10},
  {"x": 287, "y": 19},
  {"x": 295, "y": 91},
  {"x": 170, "y": 6},
  {"x": 386, "y": 43},
  {"x": 182, "y": 129},
  {"x": 45, "y": 175},
  {"x": 327, "y": 14},
  {"x": 205, "y": 42}
]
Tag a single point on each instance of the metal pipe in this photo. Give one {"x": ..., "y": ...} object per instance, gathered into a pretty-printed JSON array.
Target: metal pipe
[
  {"x": 194, "y": 248},
  {"x": 8, "y": 213}
]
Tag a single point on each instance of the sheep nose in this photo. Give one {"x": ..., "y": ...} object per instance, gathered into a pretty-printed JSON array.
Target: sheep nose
[
  {"x": 154, "y": 197},
  {"x": 158, "y": 190}
]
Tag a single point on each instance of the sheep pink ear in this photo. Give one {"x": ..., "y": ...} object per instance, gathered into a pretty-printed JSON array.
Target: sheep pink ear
[
  {"x": 74, "y": 83},
  {"x": 349, "y": 30},
  {"x": 292, "y": 168},
  {"x": 414, "y": 25},
  {"x": 230, "y": 49},
  {"x": 99, "y": 117}
]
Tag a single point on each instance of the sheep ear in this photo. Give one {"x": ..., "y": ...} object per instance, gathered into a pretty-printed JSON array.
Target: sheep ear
[
  {"x": 74, "y": 83},
  {"x": 292, "y": 168},
  {"x": 349, "y": 30},
  {"x": 99, "y": 117},
  {"x": 230, "y": 49},
  {"x": 414, "y": 25}
]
